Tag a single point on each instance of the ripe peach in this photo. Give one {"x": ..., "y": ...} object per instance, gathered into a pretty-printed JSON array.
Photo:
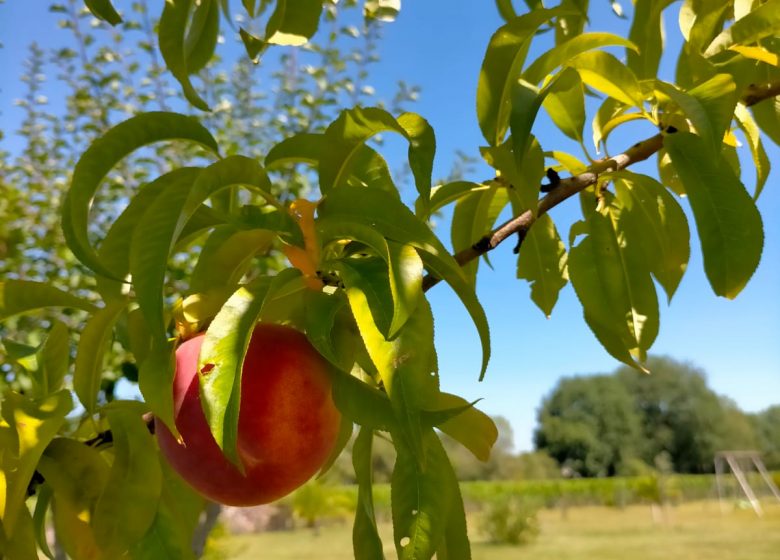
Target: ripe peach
[{"x": 287, "y": 423}]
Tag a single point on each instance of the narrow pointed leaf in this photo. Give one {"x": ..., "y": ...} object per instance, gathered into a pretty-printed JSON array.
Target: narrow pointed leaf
[
  {"x": 470, "y": 427},
  {"x": 605, "y": 73},
  {"x": 293, "y": 22},
  {"x": 224, "y": 348},
  {"x": 613, "y": 283},
  {"x": 657, "y": 224},
  {"x": 421, "y": 499},
  {"x": 396, "y": 222},
  {"x": 561, "y": 54},
  {"x": 542, "y": 261},
  {"x": 171, "y": 37},
  {"x": 201, "y": 39},
  {"x": 55, "y": 357},
  {"x": 128, "y": 505},
  {"x": 155, "y": 381},
  {"x": 763, "y": 21},
  {"x": 501, "y": 67},
  {"x": 648, "y": 35},
  {"x": 565, "y": 103},
  {"x": 728, "y": 222},
  {"x": 21, "y": 296},
  {"x": 366, "y": 541},
  {"x": 103, "y": 155},
  {"x": 94, "y": 342},
  {"x": 757, "y": 151},
  {"x": 102, "y": 9},
  {"x": 365, "y": 405}
]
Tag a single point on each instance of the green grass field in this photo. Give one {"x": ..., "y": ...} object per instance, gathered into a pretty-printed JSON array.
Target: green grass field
[{"x": 691, "y": 531}]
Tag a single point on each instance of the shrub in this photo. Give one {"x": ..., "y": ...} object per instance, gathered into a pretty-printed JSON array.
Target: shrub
[{"x": 511, "y": 520}]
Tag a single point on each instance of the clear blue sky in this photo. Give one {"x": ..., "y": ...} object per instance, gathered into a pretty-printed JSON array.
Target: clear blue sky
[{"x": 439, "y": 46}]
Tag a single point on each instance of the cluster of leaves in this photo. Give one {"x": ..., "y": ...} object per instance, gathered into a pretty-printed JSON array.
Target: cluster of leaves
[{"x": 358, "y": 257}]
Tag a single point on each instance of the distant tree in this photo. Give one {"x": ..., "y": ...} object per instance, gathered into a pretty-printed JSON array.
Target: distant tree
[
  {"x": 680, "y": 415},
  {"x": 589, "y": 424},
  {"x": 767, "y": 429}
]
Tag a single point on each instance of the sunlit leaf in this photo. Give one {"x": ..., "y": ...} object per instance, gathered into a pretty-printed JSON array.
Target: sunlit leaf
[
  {"x": 102, "y": 155},
  {"x": 565, "y": 103},
  {"x": 450, "y": 192},
  {"x": 365, "y": 405},
  {"x": 382, "y": 212},
  {"x": 501, "y": 67},
  {"x": 761, "y": 22},
  {"x": 345, "y": 136},
  {"x": 605, "y": 73},
  {"x": 94, "y": 342},
  {"x": 647, "y": 33},
  {"x": 155, "y": 380},
  {"x": 55, "y": 357},
  {"x": 470, "y": 427},
  {"x": 727, "y": 220},
  {"x": 612, "y": 281},
  {"x": 34, "y": 422},
  {"x": 561, "y": 54},
  {"x": 224, "y": 348},
  {"x": 542, "y": 261},
  {"x": 293, "y": 22},
  {"x": 760, "y": 158},
  {"x": 657, "y": 224}
]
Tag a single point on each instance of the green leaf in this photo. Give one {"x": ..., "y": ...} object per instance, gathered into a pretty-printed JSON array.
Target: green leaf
[
  {"x": 405, "y": 363},
  {"x": 524, "y": 176},
  {"x": 657, "y": 224},
  {"x": 293, "y": 22},
  {"x": 421, "y": 499},
  {"x": 450, "y": 192},
  {"x": 171, "y": 36},
  {"x": 763, "y": 21},
  {"x": 42, "y": 503},
  {"x": 561, "y": 54},
  {"x": 21, "y": 296},
  {"x": 648, "y": 36},
  {"x": 321, "y": 318},
  {"x": 694, "y": 111},
  {"x": 473, "y": 217},
  {"x": 114, "y": 251},
  {"x": 469, "y": 426},
  {"x": 77, "y": 475},
  {"x": 501, "y": 67},
  {"x": 201, "y": 39},
  {"x": 33, "y": 423},
  {"x": 103, "y": 155},
  {"x": 94, "y": 341},
  {"x": 226, "y": 256},
  {"x": 254, "y": 46},
  {"x": 526, "y": 101},
  {"x": 613, "y": 283},
  {"x": 760, "y": 158},
  {"x": 102, "y": 9},
  {"x": 365, "y": 405},
  {"x": 171, "y": 532},
  {"x": 455, "y": 544},
  {"x": 565, "y": 103},
  {"x": 127, "y": 507},
  {"x": 55, "y": 357},
  {"x": 365, "y": 536},
  {"x": 605, "y": 73},
  {"x": 224, "y": 349},
  {"x": 767, "y": 115},
  {"x": 728, "y": 222},
  {"x": 155, "y": 381},
  {"x": 542, "y": 261},
  {"x": 347, "y": 134},
  {"x": 346, "y": 427},
  {"x": 369, "y": 275},
  {"x": 506, "y": 10},
  {"x": 718, "y": 96},
  {"x": 366, "y": 168},
  {"x": 388, "y": 216},
  {"x": 22, "y": 542}
]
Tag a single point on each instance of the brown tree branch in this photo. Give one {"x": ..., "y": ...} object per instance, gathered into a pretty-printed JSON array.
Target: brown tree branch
[{"x": 570, "y": 186}]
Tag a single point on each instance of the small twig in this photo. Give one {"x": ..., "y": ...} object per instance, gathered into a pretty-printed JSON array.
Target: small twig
[{"x": 572, "y": 185}]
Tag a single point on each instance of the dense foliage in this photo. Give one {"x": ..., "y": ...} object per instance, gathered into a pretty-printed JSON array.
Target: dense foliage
[
  {"x": 358, "y": 261},
  {"x": 601, "y": 425}
]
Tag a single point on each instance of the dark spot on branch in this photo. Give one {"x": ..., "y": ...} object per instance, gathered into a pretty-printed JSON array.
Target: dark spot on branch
[{"x": 554, "y": 179}]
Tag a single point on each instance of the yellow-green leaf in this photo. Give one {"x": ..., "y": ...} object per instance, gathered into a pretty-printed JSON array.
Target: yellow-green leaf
[
  {"x": 542, "y": 261},
  {"x": 21, "y": 296},
  {"x": 607, "y": 74},
  {"x": 763, "y": 21}
]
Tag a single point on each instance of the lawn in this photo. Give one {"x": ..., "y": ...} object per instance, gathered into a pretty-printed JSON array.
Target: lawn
[{"x": 691, "y": 531}]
